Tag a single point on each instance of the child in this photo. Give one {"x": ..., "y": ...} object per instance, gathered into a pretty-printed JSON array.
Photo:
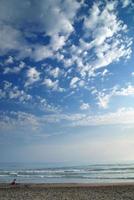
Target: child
[{"x": 13, "y": 182}]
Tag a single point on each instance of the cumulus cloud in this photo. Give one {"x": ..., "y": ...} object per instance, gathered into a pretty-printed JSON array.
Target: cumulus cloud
[
  {"x": 9, "y": 60},
  {"x": 73, "y": 83},
  {"x": 8, "y": 70},
  {"x": 105, "y": 28},
  {"x": 17, "y": 13},
  {"x": 53, "y": 85},
  {"x": 84, "y": 106},
  {"x": 104, "y": 35},
  {"x": 57, "y": 42},
  {"x": 104, "y": 98},
  {"x": 103, "y": 24},
  {"x": 55, "y": 72},
  {"x": 35, "y": 17},
  {"x": 15, "y": 93},
  {"x": 105, "y": 72},
  {"x": 107, "y": 57},
  {"x": 12, "y": 92},
  {"x": 127, "y": 91},
  {"x": 81, "y": 83},
  {"x": 12, "y": 41},
  {"x": 45, "y": 106},
  {"x": 49, "y": 83},
  {"x": 33, "y": 75},
  {"x": 41, "y": 52},
  {"x": 17, "y": 69},
  {"x": 126, "y": 3}
]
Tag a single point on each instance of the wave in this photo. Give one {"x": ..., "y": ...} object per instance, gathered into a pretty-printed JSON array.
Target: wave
[{"x": 92, "y": 172}]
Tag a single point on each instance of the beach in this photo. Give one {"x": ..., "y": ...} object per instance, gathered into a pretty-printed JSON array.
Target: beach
[{"x": 70, "y": 191}]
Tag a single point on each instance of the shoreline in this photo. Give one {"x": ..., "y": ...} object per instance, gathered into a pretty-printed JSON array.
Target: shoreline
[
  {"x": 67, "y": 191},
  {"x": 46, "y": 185}
]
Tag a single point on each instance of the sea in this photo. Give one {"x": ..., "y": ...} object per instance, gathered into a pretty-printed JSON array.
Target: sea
[{"x": 44, "y": 173}]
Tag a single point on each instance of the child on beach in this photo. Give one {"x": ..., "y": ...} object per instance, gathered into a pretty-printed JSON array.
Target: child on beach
[{"x": 13, "y": 182}]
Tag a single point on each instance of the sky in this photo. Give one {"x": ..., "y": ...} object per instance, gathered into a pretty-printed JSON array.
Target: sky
[{"x": 66, "y": 81}]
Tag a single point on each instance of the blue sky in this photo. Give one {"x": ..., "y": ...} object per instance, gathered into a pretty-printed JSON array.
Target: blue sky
[{"x": 66, "y": 80}]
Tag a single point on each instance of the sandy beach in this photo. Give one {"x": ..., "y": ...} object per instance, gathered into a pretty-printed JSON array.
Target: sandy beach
[{"x": 67, "y": 192}]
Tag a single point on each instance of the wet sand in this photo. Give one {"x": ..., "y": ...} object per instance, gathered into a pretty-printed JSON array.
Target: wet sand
[{"x": 67, "y": 192}]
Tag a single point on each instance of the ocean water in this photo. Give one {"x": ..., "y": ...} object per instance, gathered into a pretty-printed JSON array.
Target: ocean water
[{"x": 42, "y": 173}]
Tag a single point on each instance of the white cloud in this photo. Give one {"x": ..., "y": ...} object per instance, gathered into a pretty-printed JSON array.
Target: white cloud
[
  {"x": 91, "y": 23},
  {"x": 103, "y": 24},
  {"x": 18, "y": 119},
  {"x": 33, "y": 75},
  {"x": 81, "y": 83},
  {"x": 128, "y": 91},
  {"x": 63, "y": 13},
  {"x": 110, "y": 56},
  {"x": 123, "y": 116},
  {"x": 9, "y": 60},
  {"x": 7, "y": 85},
  {"x": 11, "y": 41},
  {"x": 54, "y": 85},
  {"x": 41, "y": 52},
  {"x": 105, "y": 72},
  {"x": 49, "y": 83},
  {"x": 57, "y": 42},
  {"x": 2, "y": 94},
  {"x": 108, "y": 35},
  {"x": 55, "y": 72},
  {"x": 45, "y": 106},
  {"x": 21, "y": 64},
  {"x": 84, "y": 106},
  {"x": 126, "y": 3},
  {"x": 104, "y": 35},
  {"x": 73, "y": 82},
  {"x": 68, "y": 62},
  {"x": 132, "y": 74},
  {"x": 11, "y": 92},
  {"x": 15, "y": 93},
  {"x": 15, "y": 16},
  {"x": 55, "y": 10},
  {"x": 13, "y": 69},
  {"x": 104, "y": 98}
]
